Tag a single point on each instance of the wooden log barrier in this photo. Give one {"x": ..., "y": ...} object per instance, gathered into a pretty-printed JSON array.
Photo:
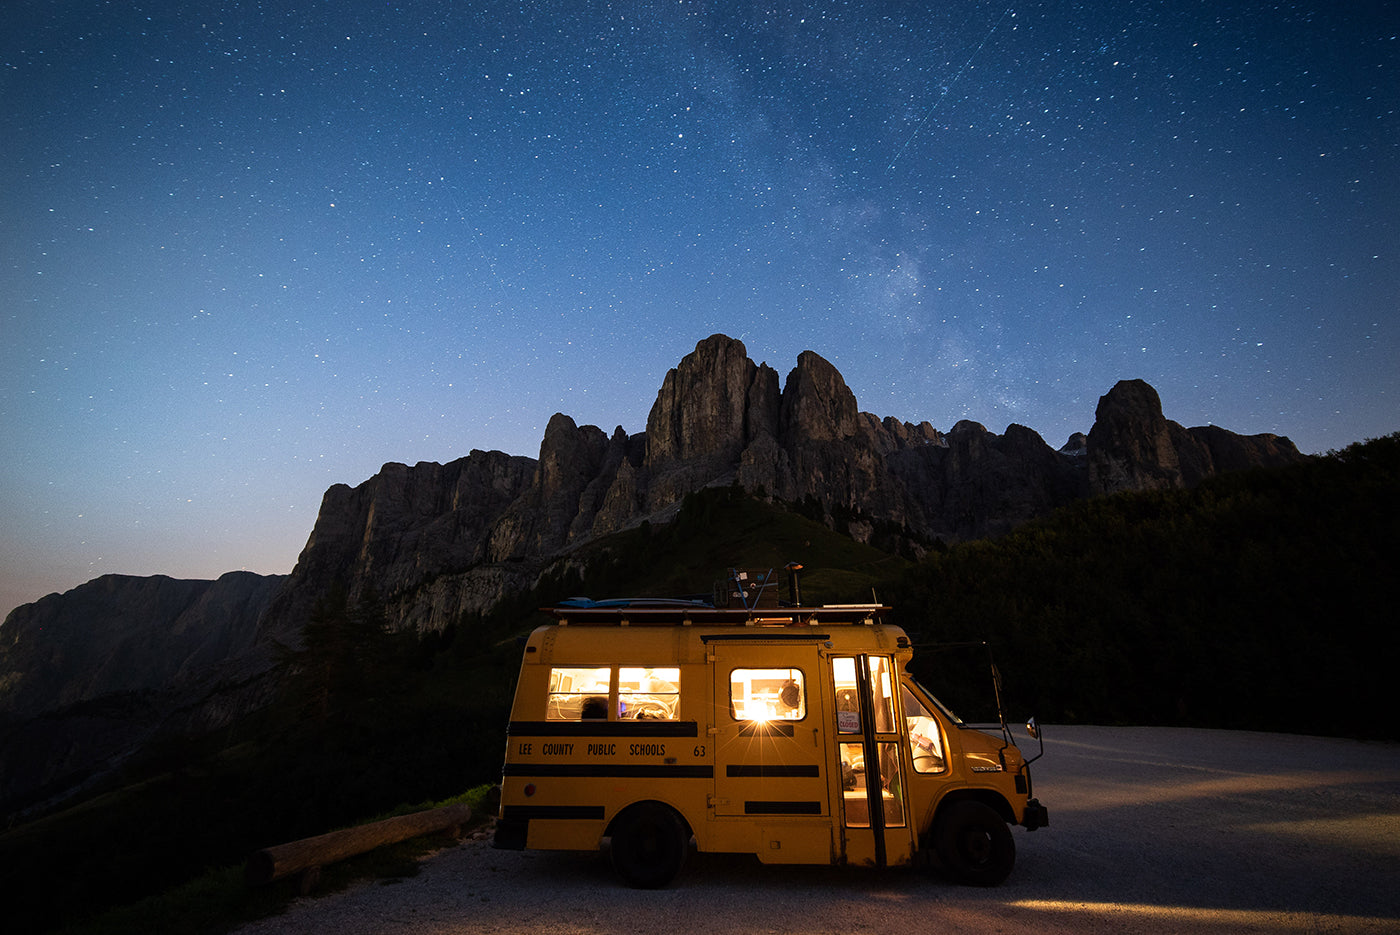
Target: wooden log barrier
[{"x": 310, "y": 854}]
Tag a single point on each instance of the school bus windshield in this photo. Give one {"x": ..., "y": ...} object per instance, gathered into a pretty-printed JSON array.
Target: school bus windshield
[{"x": 933, "y": 700}]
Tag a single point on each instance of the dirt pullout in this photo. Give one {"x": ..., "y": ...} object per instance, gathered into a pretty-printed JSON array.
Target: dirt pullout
[{"x": 1152, "y": 830}]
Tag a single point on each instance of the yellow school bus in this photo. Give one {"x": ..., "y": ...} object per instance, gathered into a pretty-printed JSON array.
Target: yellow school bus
[{"x": 792, "y": 733}]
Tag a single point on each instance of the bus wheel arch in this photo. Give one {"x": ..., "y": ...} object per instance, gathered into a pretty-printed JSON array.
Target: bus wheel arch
[
  {"x": 650, "y": 842},
  {"x": 971, "y": 839}
]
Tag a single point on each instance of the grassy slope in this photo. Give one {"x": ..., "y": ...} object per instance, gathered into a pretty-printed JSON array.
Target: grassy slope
[{"x": 722, "y": 529}]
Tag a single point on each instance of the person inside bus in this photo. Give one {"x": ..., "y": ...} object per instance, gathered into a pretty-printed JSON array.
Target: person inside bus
[{"x": 595, "y": 708}]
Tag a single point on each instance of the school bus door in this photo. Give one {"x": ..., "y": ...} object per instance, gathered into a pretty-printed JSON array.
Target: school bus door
[
  {"x": 767, "y": 732},
  {"x": 874, "y": 805}
]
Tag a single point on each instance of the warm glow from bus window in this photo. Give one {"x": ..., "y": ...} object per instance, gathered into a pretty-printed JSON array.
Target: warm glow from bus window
[{"x": 767, "y": 694}]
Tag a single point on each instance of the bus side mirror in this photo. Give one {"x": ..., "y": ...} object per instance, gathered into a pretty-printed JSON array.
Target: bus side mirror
[{"x": 1033, "y": 728}]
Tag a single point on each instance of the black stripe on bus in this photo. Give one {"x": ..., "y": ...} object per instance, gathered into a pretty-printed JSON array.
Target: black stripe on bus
[
  {"x": 614, "y": 770},
  {"x": 761, "y": 771},
  {"x": 782, "y": 808},
  {"x": 531, "y": 812},
  {"x": 645, "y": 727},
  {"x": 765, "y": 729},
  {"x": 764, "y": 637}
]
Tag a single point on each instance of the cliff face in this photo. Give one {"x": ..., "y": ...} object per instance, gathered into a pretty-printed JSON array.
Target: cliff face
[
  {"x": 437, "y": 541},
  {"x": 1132, "y": 446},
  {"x": 418, "y": 537}
]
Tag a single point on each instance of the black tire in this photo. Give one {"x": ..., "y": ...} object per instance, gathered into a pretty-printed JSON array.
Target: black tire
[
  {"x": 973, "y": 844},
  {"x": 649, "y": 845}
]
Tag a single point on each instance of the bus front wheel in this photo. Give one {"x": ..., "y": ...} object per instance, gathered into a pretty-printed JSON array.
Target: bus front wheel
[
  {"x": 973, "y": 844},
  {"x": 649, "y": 845}
]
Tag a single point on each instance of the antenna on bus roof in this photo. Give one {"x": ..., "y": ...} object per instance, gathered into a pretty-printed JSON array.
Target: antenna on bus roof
[{"x": 794, "y": 589}]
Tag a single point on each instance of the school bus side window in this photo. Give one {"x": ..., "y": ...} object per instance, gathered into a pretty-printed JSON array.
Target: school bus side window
[
  {"x": 578, "y": 694},
  {"x": 767, "y": 695},
  {"x": 644, "y": 693}
]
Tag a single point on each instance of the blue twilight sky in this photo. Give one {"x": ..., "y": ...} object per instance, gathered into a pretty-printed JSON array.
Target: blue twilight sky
[{"x": 250, "y": 250}]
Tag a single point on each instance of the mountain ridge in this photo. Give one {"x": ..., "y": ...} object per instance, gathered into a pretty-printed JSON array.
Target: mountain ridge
[
  {"x": 720, "y": 418},
  {"x": 437, "y": 544}
]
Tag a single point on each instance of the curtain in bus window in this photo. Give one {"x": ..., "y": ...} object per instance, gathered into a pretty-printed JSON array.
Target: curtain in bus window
[
  {"x": 648, "y": 693},
  {"x": 882, "y": 688}
]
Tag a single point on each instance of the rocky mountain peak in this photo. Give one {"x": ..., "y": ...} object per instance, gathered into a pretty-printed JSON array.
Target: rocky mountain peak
[
  {"x": 570, "y": 456},
  {"x": 1077, "y": 444},
  {"x": 817, "y": 405},
  {"x": 700, "y": 411},
  {"x": 1133, "y": 446},
  {"x": 1130, "y": 445}
]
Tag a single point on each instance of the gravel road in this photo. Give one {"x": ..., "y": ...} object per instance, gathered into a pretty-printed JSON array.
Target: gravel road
[{"x": 1152, "y": 830}]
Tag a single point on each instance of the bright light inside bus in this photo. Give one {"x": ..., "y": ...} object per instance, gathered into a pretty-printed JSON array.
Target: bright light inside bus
[{"x": 768, "y": 694}]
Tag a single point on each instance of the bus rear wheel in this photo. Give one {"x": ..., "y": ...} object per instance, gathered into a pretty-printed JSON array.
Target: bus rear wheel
[
  {"x": 973, "y": 844},
  {"x": 649, "y": 845}
]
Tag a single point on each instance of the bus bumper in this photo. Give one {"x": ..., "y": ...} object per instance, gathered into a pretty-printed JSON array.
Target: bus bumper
[
  {"x": 1036, "y": 816},
  {"x": 511, "y": 834}
]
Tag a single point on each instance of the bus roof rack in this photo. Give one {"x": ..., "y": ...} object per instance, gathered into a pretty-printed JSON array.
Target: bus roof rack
[{"x": 660, "y": 612}]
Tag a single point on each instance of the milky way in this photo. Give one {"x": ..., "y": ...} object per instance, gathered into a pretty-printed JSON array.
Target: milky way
[{"x": 252, "y": 250}]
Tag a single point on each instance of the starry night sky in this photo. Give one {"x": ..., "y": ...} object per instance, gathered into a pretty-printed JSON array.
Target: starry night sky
[{"x": 250, "y": 250}]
